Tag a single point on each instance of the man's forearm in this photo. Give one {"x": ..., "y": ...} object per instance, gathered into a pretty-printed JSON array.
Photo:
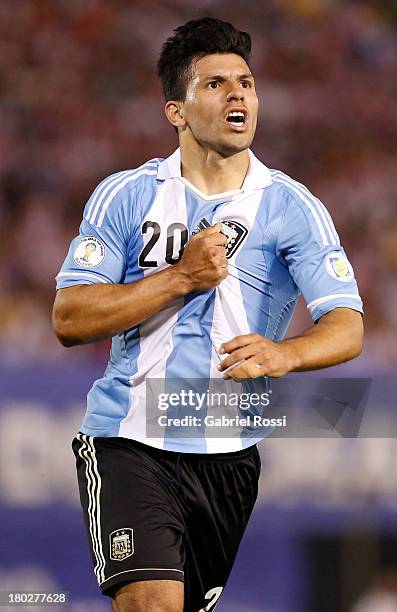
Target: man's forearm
[
  {"x": 85, "y": 313},
  {"x": 336, "y": 338}
]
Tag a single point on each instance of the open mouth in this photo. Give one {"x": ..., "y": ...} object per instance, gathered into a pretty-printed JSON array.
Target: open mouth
[{"x": 236, "y": 118}]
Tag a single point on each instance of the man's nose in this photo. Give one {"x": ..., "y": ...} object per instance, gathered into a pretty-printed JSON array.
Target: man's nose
[{"x": 235, "y": 93}]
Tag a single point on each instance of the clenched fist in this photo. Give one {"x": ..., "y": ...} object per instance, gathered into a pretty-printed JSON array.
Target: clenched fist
[{"x": 204, "y": 260}]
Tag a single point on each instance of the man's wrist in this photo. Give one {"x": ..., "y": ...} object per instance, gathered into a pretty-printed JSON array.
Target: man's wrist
[
  {"x": 180, "y": 280},
  {"x": 293, "y": 354}
]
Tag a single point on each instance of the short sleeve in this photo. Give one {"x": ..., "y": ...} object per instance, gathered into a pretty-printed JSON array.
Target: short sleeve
[
  {"x": 99, "y": 253},
  {"x": 309, "y": 246}
]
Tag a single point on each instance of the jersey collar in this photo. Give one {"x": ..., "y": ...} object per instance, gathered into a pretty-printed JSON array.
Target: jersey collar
[{"x": 258, "y": 175}]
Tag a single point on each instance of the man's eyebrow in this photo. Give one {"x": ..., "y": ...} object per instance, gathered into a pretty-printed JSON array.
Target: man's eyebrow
[{"x": 222, "y": 77}]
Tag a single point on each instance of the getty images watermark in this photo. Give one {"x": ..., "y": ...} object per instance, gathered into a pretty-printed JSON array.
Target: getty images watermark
[
  {"x": 224, "y": 402},
  {"x": 298, "y": 406},
  {"x": 198, "y": 408}
]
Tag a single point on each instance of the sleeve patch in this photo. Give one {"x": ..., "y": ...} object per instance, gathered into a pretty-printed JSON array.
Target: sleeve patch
[
  {"x": 89, "y": 253},
  {"x": 339, "y": 267}
]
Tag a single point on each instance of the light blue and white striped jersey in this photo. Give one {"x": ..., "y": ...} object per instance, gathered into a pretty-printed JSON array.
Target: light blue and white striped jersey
[{"x": 136, "y": 223}]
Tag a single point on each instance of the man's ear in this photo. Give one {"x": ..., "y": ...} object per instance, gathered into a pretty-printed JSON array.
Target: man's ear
[{"x": 174, "y": 113}]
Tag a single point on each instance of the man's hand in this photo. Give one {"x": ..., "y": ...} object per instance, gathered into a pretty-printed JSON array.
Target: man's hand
[
  {"x": 337, "y": 337},
  {"x": 204, "y": 262},
  {"x": 254, "y": 355}
]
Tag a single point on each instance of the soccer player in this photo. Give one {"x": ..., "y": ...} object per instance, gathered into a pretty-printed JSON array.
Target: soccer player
[{"x": 199, "y": 260}]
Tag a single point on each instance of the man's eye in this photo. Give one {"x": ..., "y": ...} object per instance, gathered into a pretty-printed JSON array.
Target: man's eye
[
  {"x": 245, "y": 84},
  {"x": 214, "y": 84}
]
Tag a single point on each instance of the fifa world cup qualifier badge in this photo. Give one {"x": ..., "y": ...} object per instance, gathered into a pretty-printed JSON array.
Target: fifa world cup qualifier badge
[
  {"x": 90, "y": 252},
  {"x": 339, "y": 267},
  {"x": 121, "y": 544}
]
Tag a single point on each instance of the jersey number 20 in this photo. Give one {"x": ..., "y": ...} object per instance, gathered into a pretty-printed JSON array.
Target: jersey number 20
[{"x": 170, "y": 257}]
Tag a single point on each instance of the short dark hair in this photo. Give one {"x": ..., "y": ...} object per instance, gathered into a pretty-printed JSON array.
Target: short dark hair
[{"x": 194, "y": 40}]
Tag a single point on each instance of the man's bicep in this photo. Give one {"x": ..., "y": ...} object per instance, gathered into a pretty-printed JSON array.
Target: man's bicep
[
  {"x": 344, "y": 325},
  {"x": 69, "y": 293},
  {"x": 67, "y": 298},
  {"x": 343, "y": 316}
]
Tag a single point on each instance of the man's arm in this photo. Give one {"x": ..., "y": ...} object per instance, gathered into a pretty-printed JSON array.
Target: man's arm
[
  {"x": 337, "y": 337},
  {"x": 85, "y": 313}
]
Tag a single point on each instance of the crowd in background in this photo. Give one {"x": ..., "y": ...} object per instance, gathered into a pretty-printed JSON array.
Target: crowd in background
[{"x": 79, "y": 100}]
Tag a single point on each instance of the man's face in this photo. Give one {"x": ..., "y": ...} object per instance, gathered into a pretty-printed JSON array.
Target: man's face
[{"x": 221, "y": 84}]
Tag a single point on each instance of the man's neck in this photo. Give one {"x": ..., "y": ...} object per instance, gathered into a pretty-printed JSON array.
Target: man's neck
[{"x": 210, "y": 172}]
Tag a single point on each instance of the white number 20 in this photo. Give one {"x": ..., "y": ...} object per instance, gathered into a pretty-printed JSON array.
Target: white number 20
[{"x": 213, "y": 594}]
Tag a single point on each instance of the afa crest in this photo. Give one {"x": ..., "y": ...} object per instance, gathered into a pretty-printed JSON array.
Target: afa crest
[
  {"x": 235, "y": 233},
  {"x": 121, "y": 544}
]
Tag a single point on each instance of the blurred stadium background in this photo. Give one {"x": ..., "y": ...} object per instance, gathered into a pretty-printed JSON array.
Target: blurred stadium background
[{"x": 79, "y": 100}]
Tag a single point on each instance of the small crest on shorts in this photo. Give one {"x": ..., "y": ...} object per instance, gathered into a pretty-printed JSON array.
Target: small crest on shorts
[
  {"x": 235, "y": 234},
  {"x": 121, "y": 544}
]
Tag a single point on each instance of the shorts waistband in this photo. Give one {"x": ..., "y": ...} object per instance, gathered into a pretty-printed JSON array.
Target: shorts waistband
[{"x": 173, "y": 455}]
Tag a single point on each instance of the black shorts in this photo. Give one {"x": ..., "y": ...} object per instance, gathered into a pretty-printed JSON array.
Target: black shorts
[{"x": 153, "y": 514}]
